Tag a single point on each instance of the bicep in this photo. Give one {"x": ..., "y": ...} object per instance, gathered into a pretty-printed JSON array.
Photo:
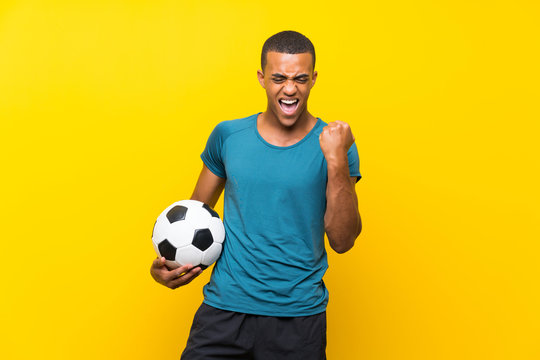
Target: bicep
[{"x": 209, "y": 187}]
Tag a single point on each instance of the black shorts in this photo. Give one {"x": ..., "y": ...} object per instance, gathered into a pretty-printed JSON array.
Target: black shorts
[{"x": 220, "y": 334}]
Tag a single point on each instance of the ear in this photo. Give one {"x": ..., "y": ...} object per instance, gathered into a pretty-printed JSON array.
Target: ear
[
  {"x": 260, "y": 76},
  {"x": 314, "y": 77}
]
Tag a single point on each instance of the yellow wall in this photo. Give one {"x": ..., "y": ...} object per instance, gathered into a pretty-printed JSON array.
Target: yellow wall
[{"x": 105, "y": 107}]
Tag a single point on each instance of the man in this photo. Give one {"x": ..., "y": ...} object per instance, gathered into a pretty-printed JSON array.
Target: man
[{"x": 288, "y": 179}]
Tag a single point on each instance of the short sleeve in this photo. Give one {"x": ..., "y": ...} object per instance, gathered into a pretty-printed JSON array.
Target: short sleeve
[
  {"x": 212, "y": 155},
  {"x": 354, "y": 162}
]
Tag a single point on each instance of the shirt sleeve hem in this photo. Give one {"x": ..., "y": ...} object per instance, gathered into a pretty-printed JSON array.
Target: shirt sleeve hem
[
  {"x": 358, "y": 176},
  {"x": 212, "y": 168}
]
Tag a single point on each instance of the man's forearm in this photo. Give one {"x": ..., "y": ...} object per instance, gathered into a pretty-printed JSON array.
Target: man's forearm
[{"x": 342, "y": 220}]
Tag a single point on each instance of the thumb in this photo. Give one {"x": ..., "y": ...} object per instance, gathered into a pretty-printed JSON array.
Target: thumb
[{"x": 159, "y": 262}]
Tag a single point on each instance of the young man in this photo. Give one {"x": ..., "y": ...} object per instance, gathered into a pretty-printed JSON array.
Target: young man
[{"x": 288, "y": 178}]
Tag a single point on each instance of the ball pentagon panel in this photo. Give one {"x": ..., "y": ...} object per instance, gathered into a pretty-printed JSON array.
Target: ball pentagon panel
[
  {"x": 202, "y": 239},
  {"x": 176, "y": 213},
  {"x": 167, "y": 250}
]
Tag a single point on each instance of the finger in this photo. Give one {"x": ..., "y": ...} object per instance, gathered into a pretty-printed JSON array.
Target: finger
[
  {"x": 176, "y": 273},
  {"x": 158, "y": 262},
  {"x": 186, "y": 278},
  {"x": 197, "y": 273}
]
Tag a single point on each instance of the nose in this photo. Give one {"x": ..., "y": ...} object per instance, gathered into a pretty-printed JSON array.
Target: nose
[{"x": 290, "y": 87}]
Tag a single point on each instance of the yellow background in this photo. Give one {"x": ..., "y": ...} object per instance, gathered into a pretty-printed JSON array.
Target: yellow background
[{"x": 105, "y": 107}]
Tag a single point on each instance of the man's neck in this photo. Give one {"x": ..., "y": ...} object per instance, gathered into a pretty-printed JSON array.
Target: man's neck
[{"x": 277, "y": 134}]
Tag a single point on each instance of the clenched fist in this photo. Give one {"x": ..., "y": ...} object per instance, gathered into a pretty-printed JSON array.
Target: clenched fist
[{"x": 335, "y": 140}]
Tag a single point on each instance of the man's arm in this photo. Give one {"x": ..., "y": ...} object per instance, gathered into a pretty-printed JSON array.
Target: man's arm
[
  {"x": 208, "y": 188},
  {"x": 342, "y": 221}
]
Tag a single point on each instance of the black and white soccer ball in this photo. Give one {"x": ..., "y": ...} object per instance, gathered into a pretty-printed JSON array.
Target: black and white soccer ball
[{"x": 188, "y": 232}]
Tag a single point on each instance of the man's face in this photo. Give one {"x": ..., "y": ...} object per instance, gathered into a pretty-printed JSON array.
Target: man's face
[{"x": 287, "y": 79}]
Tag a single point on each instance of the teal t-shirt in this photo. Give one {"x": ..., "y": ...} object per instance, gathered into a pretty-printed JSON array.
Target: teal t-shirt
[{"x": 273, "y": 258}]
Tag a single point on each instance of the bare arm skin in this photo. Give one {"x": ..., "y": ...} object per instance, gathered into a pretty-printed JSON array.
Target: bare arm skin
[
  {"x": 209, "y": 187},
  {"x": 208, "y": 190},
  {"x": 342, "y": 221}
]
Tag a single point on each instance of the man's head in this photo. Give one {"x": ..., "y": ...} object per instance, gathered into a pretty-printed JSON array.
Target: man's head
[
  {"x": 287, "y": 75},
  {"x": 287, "y": 42}
]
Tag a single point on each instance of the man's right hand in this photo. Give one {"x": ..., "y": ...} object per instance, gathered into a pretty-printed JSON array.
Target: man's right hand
[{"x": 173, "y": 278}]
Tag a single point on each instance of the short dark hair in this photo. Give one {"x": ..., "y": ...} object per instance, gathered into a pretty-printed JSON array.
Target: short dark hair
[{"x": 287, "y": 42}]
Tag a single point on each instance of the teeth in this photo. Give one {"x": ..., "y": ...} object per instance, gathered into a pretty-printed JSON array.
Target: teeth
[{"x": 289, "y": 102}]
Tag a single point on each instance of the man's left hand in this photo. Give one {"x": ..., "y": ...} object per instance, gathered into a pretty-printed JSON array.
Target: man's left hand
[{"x": 335, "y": 140}]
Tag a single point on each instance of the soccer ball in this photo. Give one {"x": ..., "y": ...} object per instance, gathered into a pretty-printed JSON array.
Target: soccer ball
[{"x": 188, "y": 232}]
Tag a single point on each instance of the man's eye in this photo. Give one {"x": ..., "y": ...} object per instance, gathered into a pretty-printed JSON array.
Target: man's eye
[
  {"x": 302, "y": 81},
  {"x": 278, "y": 80}
]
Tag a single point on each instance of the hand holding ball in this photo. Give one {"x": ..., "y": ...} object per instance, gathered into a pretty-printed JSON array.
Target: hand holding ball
[{"x": 188, "y": 232}]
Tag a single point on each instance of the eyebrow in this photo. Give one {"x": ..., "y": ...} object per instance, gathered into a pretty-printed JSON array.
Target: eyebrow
[{"x": 296, "y": 77}]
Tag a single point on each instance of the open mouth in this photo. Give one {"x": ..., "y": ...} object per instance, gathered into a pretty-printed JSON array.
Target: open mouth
[{"x": 288, "y": 105}]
